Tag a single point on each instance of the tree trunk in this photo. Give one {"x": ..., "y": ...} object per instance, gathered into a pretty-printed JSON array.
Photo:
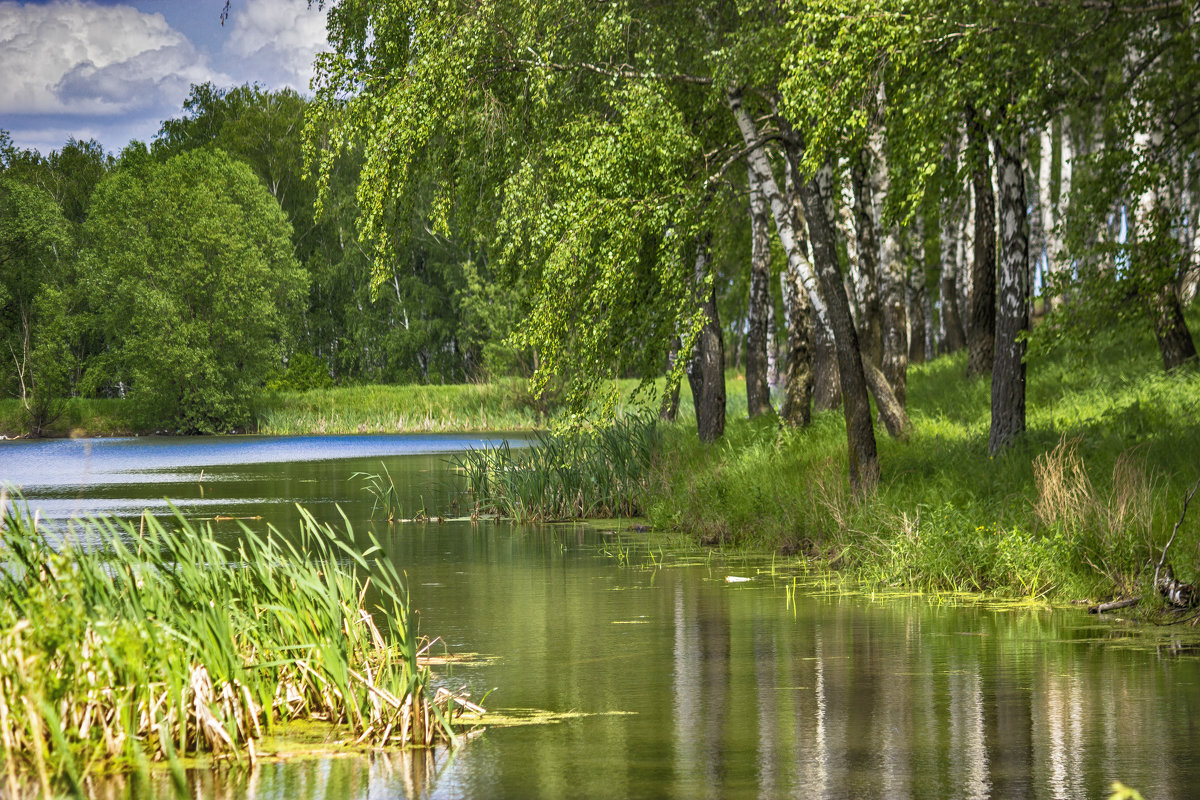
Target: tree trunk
[
  {"x": 871, "y": 312},
  {"x": 892, "y": 286},
  {"x": 1008, "y": 374},
  {"x": 827, "y": 389},
  {"x": 918, "y": 300},
  {"x": 758, "y": 389},
  {"x": 981, "y": 322},
  {"x": 796, "y": 408},
  {"x": 1152, "y": 257},
  {"x": 772, "y": 346},
  {"x": 1170, "y": 328},
  {"x": 919, "y": 311},
  {"x": 826, "y": 291},
  {"x": 895, "y": 419},
  {"x": 952, "y": 325},
  {"x": 860, "y": 434},
  {"x": 669, "y": 409},
  {"x": 706, "y": 373}
]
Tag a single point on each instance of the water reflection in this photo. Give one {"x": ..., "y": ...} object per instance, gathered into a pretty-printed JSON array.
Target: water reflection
[
  {"x": 724, "y": 690},
  {"x": 410, "y": 774}
]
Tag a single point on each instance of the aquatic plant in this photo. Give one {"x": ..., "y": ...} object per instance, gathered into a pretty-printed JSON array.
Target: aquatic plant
[
  {"x": 382, "y": 489},
  {"x": 159, "y": 642},
  {"x": 594, "y": 473}
]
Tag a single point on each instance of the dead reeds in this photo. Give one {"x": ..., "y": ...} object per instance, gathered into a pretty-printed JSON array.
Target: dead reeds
[{"x": 1111, "y": 528}]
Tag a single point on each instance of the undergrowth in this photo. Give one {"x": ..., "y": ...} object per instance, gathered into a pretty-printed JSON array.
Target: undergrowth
[{"x": 1074, "y": 509}]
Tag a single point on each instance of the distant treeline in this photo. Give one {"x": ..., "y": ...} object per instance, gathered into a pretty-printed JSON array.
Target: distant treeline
[{"x": 193, "y": 273}]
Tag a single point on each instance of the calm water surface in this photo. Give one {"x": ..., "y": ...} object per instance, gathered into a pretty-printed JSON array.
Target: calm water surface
[{"x": 687, "y": 685}]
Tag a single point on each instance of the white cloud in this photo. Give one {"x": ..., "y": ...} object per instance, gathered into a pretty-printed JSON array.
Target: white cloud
[
  {"x": 276, "y": 40},
  {"x": 81, "y": 58}
]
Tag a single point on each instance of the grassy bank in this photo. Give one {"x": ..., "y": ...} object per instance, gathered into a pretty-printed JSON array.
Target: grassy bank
[
  {"x": 1076, "y": 509},
  {"x": 504, "y": 405},
  {"x": 397, "y": 409},
  {"x": 351, "y": 409},
  {"x": 160, "y": 643},
  {"x": 82, "y": 416}
]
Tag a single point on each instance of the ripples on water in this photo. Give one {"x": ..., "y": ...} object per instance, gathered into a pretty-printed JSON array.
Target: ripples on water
[{"x": 731, "y": 692}]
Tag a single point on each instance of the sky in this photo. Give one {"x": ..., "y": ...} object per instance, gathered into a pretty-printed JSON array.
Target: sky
[{"x": 113, "y": 71}]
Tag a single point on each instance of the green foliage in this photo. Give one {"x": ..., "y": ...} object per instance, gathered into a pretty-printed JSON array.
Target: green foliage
[
  {"x": 193, "y": 258},
  {"x": 408, "y": 322},
  {"x": 37, "y": 297},
  {"x": 598, "y": 473},
  {"x": 145, "y": 644},
  {"x": 500, "y": 124},
  {"x": 303, "y": 372},
  {"x": 1074, "y": 510}
]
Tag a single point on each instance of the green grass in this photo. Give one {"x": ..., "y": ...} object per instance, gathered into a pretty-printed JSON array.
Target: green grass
[
  {"x": 395, "y": 409},
  {"x": 948, "y": 516},
  {"x": 160, "y": 643},
  {"x": 585, "y": 474},
  {"x": 82, "y": 417}
]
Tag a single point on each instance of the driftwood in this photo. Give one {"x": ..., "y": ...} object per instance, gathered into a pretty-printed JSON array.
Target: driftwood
[
  {"x": 1103, "y": 608},
  {"x": 1176, "y": 592}
]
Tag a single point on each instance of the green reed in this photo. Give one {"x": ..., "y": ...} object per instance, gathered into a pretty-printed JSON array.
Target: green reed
[
  {"x": 596, "y": 473},
  {"x": 383, "y": 491},
  {"x": 157, "y": 642}
]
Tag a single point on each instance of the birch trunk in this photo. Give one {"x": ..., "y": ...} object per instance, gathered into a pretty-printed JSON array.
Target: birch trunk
[
  {"x": 918, "y": 302},
  {"x": 1008, "y": 374},
  {"x": 920, "y": 313},
  {"x": 825, "y": 289},
  {"x": 870, "y": 313},
  {"x": 1037, "y": 232},
  {"x": 827, "y": 389},
  {"x": 952, "y": 325},
  {"x": 1154, "y": 257},
  {"x": 758, "y": 389},
  {"x": 796, "y": 408},
  {"x": 981, "y": 321},
  {"x": 860, "y": 434},
  {"x": 772, "y": 347},
  {"x": 892, "y": 286},
  {"x": 669, "y": 409},
  {"x": 706, "y": 372}
]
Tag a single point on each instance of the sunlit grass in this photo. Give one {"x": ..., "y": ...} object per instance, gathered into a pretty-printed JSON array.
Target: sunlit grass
[
  {"x": 947, "y": 515},
  {"x": 591, "y": 473},
  {"x": 158, "y": 642}
]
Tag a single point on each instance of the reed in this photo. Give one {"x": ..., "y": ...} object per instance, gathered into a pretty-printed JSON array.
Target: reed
[
  {"x": 594, "y": 473},
  {"x": 160, "y": 642},
  {"x": 384, "y": 493}
]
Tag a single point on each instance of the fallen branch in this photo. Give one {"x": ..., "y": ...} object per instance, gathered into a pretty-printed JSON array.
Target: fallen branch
[{"x": 1102, "y": 608}]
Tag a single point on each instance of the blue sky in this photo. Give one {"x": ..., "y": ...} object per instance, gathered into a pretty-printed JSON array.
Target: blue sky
[{"x": 113, "y": 71}]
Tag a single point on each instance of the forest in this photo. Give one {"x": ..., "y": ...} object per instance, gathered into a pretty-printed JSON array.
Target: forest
[
  {"x": 817, "y": 195},
  {"x": 801, "y": 364}
]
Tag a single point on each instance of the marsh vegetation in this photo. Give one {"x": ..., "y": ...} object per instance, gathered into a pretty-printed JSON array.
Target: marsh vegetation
[{"x": 127, "y": 643}]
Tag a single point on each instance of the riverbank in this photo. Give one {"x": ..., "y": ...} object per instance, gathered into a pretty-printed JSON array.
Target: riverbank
[
  {"x": 504, "y": 405},
  {"x": 1077, "y": 509}
]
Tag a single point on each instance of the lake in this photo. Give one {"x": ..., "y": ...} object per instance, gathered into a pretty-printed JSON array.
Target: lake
[{"x": 673, "y": 680}]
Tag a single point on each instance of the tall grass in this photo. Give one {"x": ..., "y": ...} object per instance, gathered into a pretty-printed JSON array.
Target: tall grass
[
  {"x": 392, "y": 409},
  {"x": 1071, "y": 510},
  {"x": 161, "y": 642},
  {"x": 594, "y": 473}
]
